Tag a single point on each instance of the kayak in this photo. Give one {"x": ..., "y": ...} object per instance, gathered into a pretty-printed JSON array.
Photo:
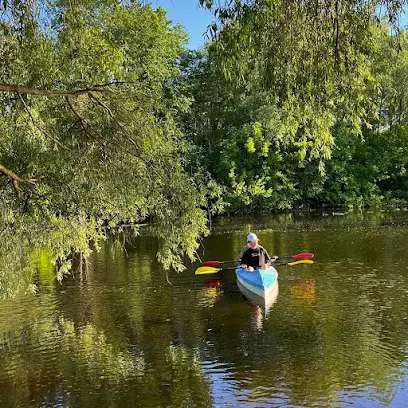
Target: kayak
[
  {"x": 265, "y": 302},
  {"x": 261, "y": 282}
]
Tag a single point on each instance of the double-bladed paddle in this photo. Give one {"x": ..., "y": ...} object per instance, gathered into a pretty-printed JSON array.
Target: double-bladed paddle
[
  {"x": 304, "y": 255},
  {"x": 204, "y": 270}
]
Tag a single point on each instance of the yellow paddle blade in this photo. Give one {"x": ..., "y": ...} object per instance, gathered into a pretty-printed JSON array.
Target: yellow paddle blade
[
  {"x": 301, "y": 261},
  {"x": 206, "y": 270}
]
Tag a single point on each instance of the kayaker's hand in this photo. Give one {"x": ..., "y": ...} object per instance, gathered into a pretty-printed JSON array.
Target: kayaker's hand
[{"x": 243, "y": 266}]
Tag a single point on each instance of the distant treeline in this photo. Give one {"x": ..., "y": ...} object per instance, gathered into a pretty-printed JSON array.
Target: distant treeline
[{"x": 300, "y": 105}]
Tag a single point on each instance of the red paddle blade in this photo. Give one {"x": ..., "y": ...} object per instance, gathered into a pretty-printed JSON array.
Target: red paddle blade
[
  {"x": 216, "y": 263},
  {"x": 211, "y": 263},
  {"x": 304, "y": 255}
]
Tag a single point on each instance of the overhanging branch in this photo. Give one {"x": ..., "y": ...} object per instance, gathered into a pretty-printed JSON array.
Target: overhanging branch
[
  {"x": 36, "y": 125},
  {"x": 110, "y": 113},
  {"x": 15, "y": 179},
  {"x": 84, "y": 123},
  {"x": 14, "y": 176},
  {"x": 22, "y": 90}
]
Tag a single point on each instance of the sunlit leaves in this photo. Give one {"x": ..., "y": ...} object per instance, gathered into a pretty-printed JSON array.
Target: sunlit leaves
[
  {"x": 313, "y": 56},
  {"x": 112, "y": 154},
  {"x": 304, "y": 71}
]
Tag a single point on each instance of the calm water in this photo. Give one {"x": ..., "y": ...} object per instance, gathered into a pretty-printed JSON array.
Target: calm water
[{"x": 126, "y": 335}]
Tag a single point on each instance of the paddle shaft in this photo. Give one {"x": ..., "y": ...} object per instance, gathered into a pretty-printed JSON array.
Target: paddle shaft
[
  {"x": 207, "y": 269},
  {"x": 304, "y": 255},
  {"x": 235, "y": 267}
]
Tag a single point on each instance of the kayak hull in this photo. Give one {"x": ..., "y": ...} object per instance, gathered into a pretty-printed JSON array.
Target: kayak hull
[
  {"x": 265, "y": 302},
  {"x": 260, "y": 282}
]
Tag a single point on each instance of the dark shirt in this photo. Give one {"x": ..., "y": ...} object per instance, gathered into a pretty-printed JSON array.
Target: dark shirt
[{"x": 252, "y": 257}]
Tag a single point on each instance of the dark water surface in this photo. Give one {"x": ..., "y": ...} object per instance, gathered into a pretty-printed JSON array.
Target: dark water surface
[{"x": 126, "y": 335}]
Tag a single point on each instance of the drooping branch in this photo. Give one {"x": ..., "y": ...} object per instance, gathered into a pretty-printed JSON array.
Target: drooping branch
[
  {"x": 84, "y": 123},
  {"x": 23, "y": 90},
  {"x": 86, "y": 126},
  {"x": 46, "y": 92},
  {"x": 123, "y": 129},
  {"x": 15, "y": 179},
  {"x": 336, "y": 23},
  {"x": 112, "y": 116},
  {"x": 14, "y": 176},
  {"x": 36, "y": 125}
]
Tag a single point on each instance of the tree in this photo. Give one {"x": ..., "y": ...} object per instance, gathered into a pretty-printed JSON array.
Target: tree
[
  {"x": 239, "y": 134},
  {"x": 287, "y": 93},
  {"x": 312, "y": 56},
  {"x": 390, "y": 70},
  {"x": 88, "y": 99}
]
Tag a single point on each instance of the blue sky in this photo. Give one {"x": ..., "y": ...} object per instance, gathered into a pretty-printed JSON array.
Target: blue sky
[
  {"x": 189, "y": 14},
  {"x": 195, "y": 19}
]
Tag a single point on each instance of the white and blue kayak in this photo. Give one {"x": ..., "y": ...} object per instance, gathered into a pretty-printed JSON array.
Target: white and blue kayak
[{"x": 261, "y": 282}]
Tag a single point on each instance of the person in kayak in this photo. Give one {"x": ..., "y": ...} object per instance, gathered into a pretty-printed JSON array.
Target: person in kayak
[{"x": 254, "y": 256}]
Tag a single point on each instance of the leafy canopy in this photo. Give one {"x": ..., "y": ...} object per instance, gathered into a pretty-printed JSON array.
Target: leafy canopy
[{"x": 88, "y": 100}]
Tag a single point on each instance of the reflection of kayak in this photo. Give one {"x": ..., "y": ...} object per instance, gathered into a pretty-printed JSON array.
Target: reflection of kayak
[
  {"x": 266, "y": 302},
  {"x": 260, "y": 282}
]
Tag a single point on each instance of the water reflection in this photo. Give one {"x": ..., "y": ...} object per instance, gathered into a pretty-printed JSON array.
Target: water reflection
[
  {"x": 333, "y": 334},
  {"x": 210, "y": 293},
  {"x": 304, "y": 289},
  {"x": 261, "y": 306}
]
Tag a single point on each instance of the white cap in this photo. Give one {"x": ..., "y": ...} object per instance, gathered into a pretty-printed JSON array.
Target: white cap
[{"x": 252, "y": 237}]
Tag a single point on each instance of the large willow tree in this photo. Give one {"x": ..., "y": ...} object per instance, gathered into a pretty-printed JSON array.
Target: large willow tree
[
  {"x": 88, "y": 139},
  {"x": 313, "y": 56}
]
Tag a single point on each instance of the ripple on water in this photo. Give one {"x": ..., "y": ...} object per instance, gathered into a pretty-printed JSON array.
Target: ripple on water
[{"x": 336, "y": 336}]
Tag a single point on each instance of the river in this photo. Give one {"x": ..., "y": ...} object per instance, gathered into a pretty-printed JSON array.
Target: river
[{"x": 124, "y": 333}]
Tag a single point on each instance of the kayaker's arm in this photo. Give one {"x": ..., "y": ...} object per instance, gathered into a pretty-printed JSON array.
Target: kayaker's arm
[
  {"x": 269, "y": 259},
  {"x": 266, "y": 257}
]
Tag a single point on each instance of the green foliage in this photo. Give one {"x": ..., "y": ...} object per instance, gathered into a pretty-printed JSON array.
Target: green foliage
[
  {"x": 241, "y": 137},
  {"x": 290, "y": 100},
  {"x": 390, "y": 69},
  {"x": 110, "y": 153},
  {"x": 25, "y": 243},
  {"x": 312, "y": 57},
  {"x": 107, "y": 120},
  {"x": 366, "y": 172}
]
